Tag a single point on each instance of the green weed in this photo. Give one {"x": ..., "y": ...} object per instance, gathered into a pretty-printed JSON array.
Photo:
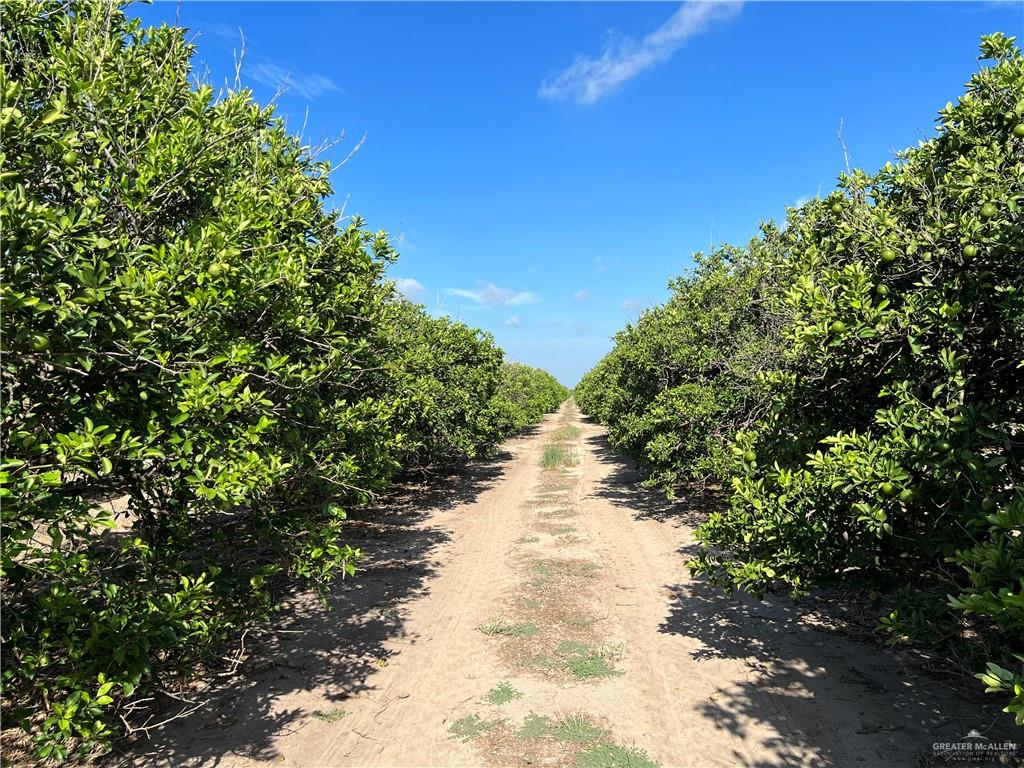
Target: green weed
[
  {"x": 613, "y": 756},
  {"x": 534, "y": 727},
  {"x": 471, "y": 726},
  {"x": 330, "y": 717},
  {"x": 502, "y": 693}
]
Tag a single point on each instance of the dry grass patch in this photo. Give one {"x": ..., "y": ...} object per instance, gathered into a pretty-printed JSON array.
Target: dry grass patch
[
  {"x": 563, "y": 741},
  {"x": 556, "y": 601},
  {"x": 566, "y": 433},
  {"x": 504, "y": 628},
  {"x": 560, "y": 513},
  {"x": 555, "y": 529},
  {"x": 557, "y": 456},
  {"x": 471, "y": 726}
]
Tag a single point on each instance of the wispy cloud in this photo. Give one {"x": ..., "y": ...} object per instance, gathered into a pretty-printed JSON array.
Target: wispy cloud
[
  {"x": 226, "y": 32},
  {"x": 513, "y": 322},
  {"x": 405, "y": 244},
  {"x": 281, "y": 77},
  {"x": 490, "y": 295},
  {"x": 631, "y": 305},
  {"x": 581, "y": 295},
  {"x": 409, "y": 287},
  {"x": 599, "y": 265},
  {"x": 272, "y": 73},
  {"x": 589, "y": 79}
]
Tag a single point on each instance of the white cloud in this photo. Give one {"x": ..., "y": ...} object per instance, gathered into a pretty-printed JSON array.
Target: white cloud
[
  {"x": 281, "y": 78},
  {"x": 581, "y": 295},
  {"x": 599, "y": 265},
  {"x": 589, "y": 79},
  {"x": 631, "y": 305},
  {"x": 490, "y": 295},
  {"x": 513, "y": 322},
  {"x": 409, "y": 287}
]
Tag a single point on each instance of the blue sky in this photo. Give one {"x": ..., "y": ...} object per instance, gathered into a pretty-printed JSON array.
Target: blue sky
[{"x": 545, "y": 168}]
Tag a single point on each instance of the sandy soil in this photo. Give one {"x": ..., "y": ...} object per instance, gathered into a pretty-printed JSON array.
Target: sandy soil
[{"x": 699, "y": 678}]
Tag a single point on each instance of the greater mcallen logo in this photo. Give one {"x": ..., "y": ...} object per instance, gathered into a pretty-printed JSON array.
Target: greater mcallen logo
[{"x": 974, "y": 747}]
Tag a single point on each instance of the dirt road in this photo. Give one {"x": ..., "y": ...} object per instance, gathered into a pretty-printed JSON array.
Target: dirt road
[{"x": 530, "y": 615}]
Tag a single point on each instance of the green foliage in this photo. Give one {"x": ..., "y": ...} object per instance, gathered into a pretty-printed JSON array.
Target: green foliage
[
  {"x": 883, "y": 443},
  {"x": 524, "y": 395},
  {"x": 193, "y": 338},
  {"x": 999, "y": 680},
  {"x": 449, "y": 376},
  {"x": 687, "y": 375}
]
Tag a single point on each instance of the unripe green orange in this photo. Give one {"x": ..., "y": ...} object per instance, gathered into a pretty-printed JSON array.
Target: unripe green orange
[
  {"x": 988, "y": 210},
  {"x": 1018, "y": 130},
  {"x": 888, "y": 255}
]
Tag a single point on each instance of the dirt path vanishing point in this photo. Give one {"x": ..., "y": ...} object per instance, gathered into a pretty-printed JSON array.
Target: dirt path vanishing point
[{"x": 525, "y": 615}]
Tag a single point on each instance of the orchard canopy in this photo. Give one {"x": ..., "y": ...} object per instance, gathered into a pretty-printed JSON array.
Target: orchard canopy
[
  {"x": 189, "y": 328},
  {"x": 853, "y": 382}
]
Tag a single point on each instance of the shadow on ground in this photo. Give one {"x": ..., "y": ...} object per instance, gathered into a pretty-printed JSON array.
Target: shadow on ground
[
  {"x": 819, "y": 680},
  {"x": 622, "y": 487},
  {"x": 310, "y": 647},
  {"x": 834, "y": 700}
]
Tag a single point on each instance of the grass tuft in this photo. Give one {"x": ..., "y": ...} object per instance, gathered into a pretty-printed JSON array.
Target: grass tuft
[
  {"x": 568, "y": 432},
  {"x": 577, "y": 728},
  {"x": 330, "y": 717},
  {"x": 505, "y": 628},
  {"x": 613, "y": 756},
  {"x": 557, "y": 456}
]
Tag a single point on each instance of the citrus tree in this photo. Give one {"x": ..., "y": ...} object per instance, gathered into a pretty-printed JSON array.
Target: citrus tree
[
  {"x": 203, "y": 365},
  {"x": 680, "y": 382},
  {"x": 883, "y": 444}
]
